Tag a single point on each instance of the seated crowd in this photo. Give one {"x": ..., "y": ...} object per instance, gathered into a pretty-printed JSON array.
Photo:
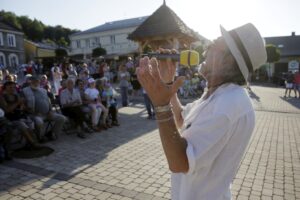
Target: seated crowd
[{"x": 38, "y": 115}]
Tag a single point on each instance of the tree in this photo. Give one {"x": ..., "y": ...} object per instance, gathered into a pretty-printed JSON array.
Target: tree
[
  {"x": 10, "y": 18},
  {"x": 99, "y": 51},
  {"x": 273, "y": 55},
  {"x": 200, "y": 50},
  {"x": 62, "y": 42},
  {"x": 36, "y": 30},
  {"x": 49, "y": 32},
  {"x": 49, "y": 41},
  {"x": 25, "y": 23}
]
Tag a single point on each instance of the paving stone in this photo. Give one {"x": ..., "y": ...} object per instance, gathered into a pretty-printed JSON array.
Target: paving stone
[
  {"x": 114, "y": 190},
  {"x": 142, "y": 196},
  {"x": 128, "y": 193},
  {"x": 104, "y": 195},
  {"x": 85, "y": 191}
]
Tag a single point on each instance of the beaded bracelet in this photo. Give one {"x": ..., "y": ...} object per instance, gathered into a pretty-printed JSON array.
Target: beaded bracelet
[
  {"x": 164, "y": 120},
  {"x": 161, "y": 109}
]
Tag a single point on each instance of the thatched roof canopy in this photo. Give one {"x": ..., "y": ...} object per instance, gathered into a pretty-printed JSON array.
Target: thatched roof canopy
[{"x": 163, "y": 22}]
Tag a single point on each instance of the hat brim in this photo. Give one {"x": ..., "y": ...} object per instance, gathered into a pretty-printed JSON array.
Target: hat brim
[{"x": 235, "y": 52}]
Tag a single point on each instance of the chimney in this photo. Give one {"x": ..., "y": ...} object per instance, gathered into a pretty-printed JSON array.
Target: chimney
[{"x": 293, "y": 33}]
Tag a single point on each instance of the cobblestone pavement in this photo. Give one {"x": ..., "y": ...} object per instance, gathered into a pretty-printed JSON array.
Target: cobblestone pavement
[{"x": 127, "y": 162}]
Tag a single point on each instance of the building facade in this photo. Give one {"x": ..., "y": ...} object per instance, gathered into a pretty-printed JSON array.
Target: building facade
[
  {"x": 112, "y": 36},
  {"x": 11, "y": 46},
  {"x": 289, "y": 47},
  {"x": 36, "y": 51}
]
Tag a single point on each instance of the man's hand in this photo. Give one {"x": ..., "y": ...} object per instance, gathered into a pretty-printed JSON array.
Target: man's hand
[
  {"x": 149, "y": 76},
  {"x": 167, "y": 67}
]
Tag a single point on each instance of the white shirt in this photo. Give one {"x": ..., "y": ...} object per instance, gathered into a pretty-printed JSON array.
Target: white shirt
[
  {"x": 92, "y": 93},
  {"x": 217, "y": 131},
  {"x": 56, "y": 75},
  {"x": 67, "y": 97}
]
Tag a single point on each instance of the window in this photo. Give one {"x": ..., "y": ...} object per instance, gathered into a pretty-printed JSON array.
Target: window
[
  {"x": 2, "y": 59},
  {"x": 87, "y": 43},
  {"x": 78, "y": 44},
  {"x": 11, "y": 40},
  {"x": 1, "y": 39},
  {"x": 112, "y": 39},
  {"x": 96, "y": 42},
  {"x": 13, "y": 60}
]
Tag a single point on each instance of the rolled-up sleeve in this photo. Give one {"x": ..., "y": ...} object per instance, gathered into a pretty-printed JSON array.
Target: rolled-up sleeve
[{"x": 206, "y": 137}]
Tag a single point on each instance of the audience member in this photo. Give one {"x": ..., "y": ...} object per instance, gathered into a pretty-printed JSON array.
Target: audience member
[
  {"x": 110, "y": 102},
  {"x": 44, "y": 81},
  {"x": 149, "y": 105},
  {"x": 96, "y": 105},
  {"x": 124, "y": 77},
  {"x": 40, "y": 109},
  {"x": 12, "y": 105},
  {"x": 70, "y": 101},
  {"x": 57, "y": 77},
  {"x": 297, "y": 84},
  {"x": 289, "y": 84}
]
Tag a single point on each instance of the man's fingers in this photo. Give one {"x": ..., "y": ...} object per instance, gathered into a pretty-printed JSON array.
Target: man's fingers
[
  {"x": 141, "y": 75},
  {"x": 167, "y": 51},
  {"x": 174, "y": 51},
  {"x": 141, "y": 62},
  {"x": 179, "y": 81},
  {"x": 145, "y": 73},
  {"x": 154, "y": 64},
  {"x": 160, "y": 50}
]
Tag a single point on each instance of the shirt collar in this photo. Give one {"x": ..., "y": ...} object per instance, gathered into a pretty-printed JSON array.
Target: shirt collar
[{"x": 220, "y": 90}]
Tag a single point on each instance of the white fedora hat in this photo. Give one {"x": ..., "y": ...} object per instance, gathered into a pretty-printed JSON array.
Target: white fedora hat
[{"x": 247, "y": 47}]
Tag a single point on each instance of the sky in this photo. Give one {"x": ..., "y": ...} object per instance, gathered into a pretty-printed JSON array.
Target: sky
[{"x": 271, "y": 17}]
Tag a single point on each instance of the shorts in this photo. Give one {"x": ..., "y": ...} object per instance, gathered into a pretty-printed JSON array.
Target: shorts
[{"x": 289, "y": 85}]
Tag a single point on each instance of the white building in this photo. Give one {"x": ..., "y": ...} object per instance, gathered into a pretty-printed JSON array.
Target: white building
[{"x": 111, "y": 36}]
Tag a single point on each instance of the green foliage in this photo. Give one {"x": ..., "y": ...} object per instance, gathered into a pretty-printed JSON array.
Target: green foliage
[
  {"x": 62, "y": 42},
  {"x": 37, "y": 31},
  {"x": 50, "y": 42},
  {"x": 200, "y": 50},
  {"x": 99, "y": 51},
  {"x": 25, "y": 23},
  {"x": 10, "y": 18},
  {"x": 147, "y": 49},
  {"x": 273, "y": 53}
]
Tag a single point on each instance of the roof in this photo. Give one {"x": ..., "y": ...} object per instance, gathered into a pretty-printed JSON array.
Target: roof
[
  {"x": 120, "y": 24},
  {"x": 6, "y": 26},
  {"x": 43, "y": 45},
  {"x": 162, "y": 22},
  {"x": 288, "y": 45}
]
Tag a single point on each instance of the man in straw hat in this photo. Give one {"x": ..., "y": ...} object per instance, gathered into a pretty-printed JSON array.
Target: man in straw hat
[{"x": 204, "y": 141}]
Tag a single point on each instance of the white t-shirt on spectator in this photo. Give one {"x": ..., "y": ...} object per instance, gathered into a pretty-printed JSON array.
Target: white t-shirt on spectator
[
  {"x": 92, "y": 93},
  {"x": 217, "y": 131}
]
